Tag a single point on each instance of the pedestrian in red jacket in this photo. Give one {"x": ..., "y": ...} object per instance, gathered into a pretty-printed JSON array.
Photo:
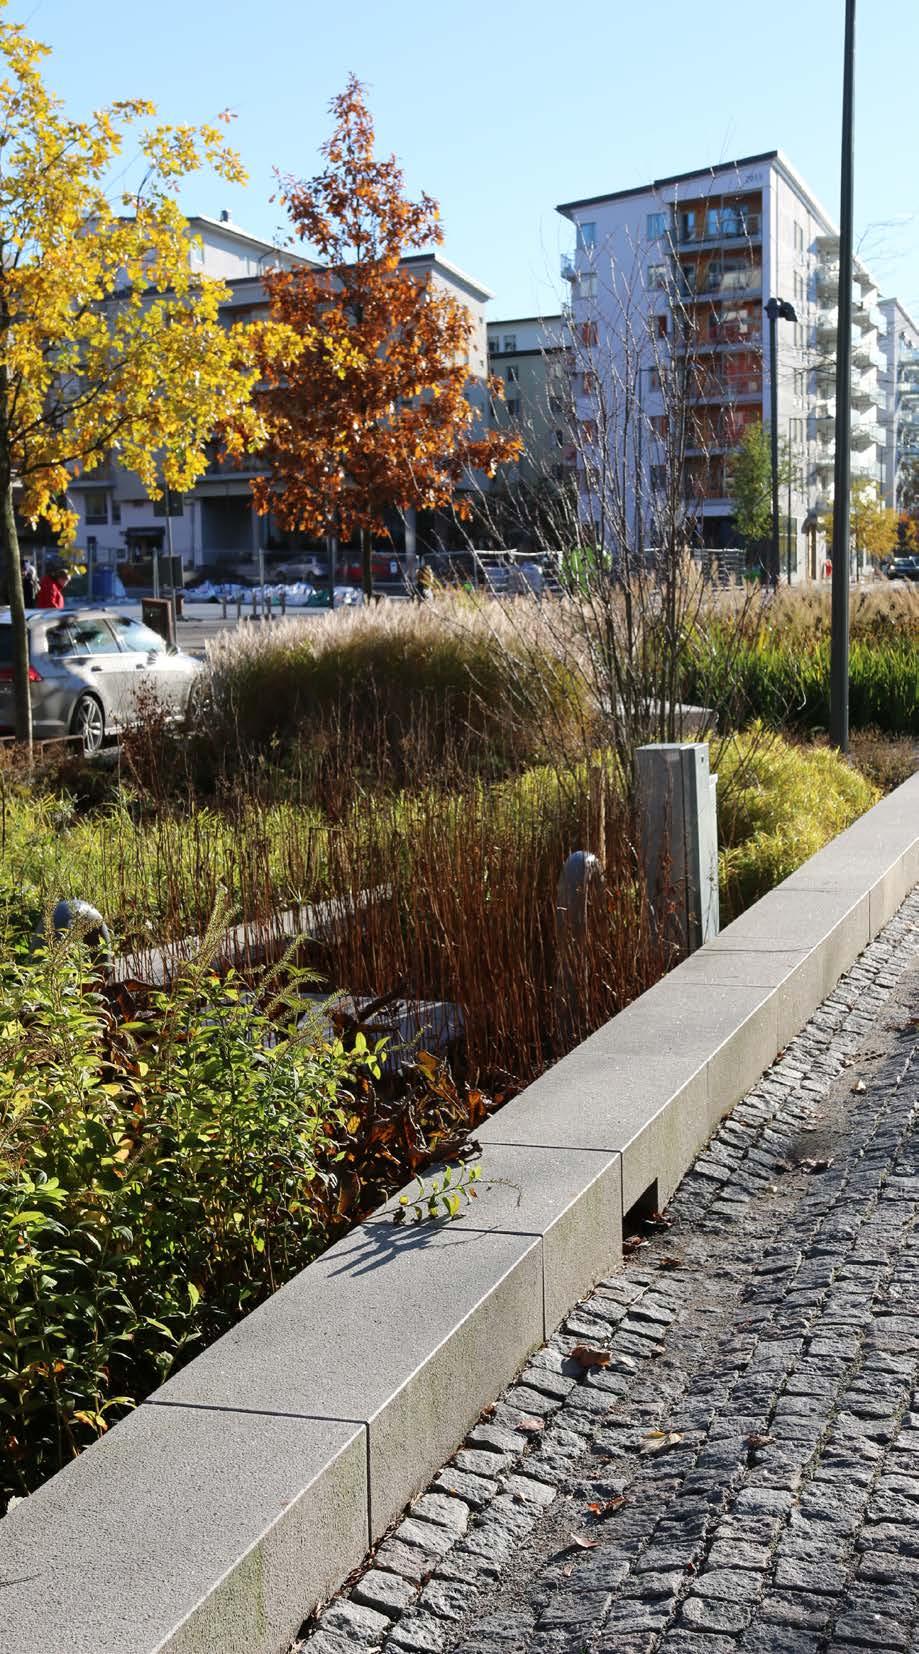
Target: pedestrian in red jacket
[{"x": 51, "y": 590}]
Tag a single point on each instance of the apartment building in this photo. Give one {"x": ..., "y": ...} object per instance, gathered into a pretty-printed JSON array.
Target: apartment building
[
  {"x": 900, "y": 384},
  {"x": 688, "y": 264},
  {"x": 528, "y": 354},
  {"x": 214, "y": 522}
]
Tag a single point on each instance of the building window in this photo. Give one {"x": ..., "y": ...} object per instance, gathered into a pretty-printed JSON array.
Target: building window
[
  {"x": 510, "y": 342},
  {"x": 654, "y": 379},
  {"x": 587, "y": 284},
  {"x": 658, "y": 275},
  {"x": 659, "y": 477},
  {"x": 513, "y": 375},
  {"x": 660, "y": 425},
  {"x": 513, "y": 407},
  {"x": 175, "y": 503},
  {"x": 589, "y": 384},
  {"x": 799, "y": 237},
  {"x": 96, "y": 505},
  {"x": 796, "y": 430},
  {"x": 589, "y": 430},
  {"x": 587, "y": 237},
  {"x": 116, "y": 510},
  {"x": 656, "y": 225},
  {"x": 587, "y": 332},
  {"x": 494, "y": 346},
  {"x": 661, "y": 325},
  {"x": 687, "y": 223}
]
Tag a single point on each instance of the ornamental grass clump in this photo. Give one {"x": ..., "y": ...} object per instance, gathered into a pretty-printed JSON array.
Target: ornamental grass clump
[{"x": 386, "y": 696}]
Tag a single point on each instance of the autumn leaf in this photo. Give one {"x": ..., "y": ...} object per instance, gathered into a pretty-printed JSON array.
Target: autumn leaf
[
  {"x": 607, "y": 1508},
  {"x": 590, "y": 1357},
  {"x": 657, "y": 1441}
]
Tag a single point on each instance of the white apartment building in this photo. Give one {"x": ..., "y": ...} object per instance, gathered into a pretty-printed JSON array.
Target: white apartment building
[
  {"x": 900, "y": 384},
  {"x": 692, "y": 261},
  {"x": 215, "y": 522}
]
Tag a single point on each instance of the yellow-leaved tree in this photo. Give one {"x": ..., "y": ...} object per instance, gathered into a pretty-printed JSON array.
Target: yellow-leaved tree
[
  {"x": 872, "y": 526},
  {"x": 110, "y": 342}
]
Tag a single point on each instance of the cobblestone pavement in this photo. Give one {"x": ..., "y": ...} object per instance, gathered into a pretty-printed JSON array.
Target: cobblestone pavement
[{"x": 740, "y": 1475}]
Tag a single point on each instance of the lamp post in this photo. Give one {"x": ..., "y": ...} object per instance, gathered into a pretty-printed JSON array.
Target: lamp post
[
  {"x": 788, "y": 518},
  {"x": 842, "y": 479},
  {"x": 775, "y": 309}
]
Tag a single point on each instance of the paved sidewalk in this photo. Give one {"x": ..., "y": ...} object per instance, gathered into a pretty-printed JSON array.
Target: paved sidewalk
[{"x": 732, "y": 1466}]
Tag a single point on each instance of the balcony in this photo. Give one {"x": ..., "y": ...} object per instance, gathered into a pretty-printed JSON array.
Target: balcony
[
  {"x": 720, "y": 339},
  {"x": 746, "y": 387},
  {"x": 867, "y": 435},
  {"x": 569, "y": 269},
  {"x": 718, "y": 284},
  {"x": 713, "y": 231}
]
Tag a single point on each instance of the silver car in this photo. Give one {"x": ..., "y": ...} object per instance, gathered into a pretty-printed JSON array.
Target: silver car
[{"x": 86, "y": 668}]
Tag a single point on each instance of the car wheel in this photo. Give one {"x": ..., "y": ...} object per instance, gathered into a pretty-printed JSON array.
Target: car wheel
[{"x": 88, "y": 721}]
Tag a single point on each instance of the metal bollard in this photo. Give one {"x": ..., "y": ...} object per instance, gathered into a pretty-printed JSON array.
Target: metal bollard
[{"x": 678, "y": 834}]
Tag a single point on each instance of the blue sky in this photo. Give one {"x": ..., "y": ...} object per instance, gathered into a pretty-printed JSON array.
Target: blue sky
[{"x": 500, "y": 112}]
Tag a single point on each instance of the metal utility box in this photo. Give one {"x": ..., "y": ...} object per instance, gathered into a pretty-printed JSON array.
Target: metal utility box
[{"x": 678, "y": 829}]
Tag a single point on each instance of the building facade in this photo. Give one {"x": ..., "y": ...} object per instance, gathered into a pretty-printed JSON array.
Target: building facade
[
  {"x": 900, "y": 383},
  {"x": 214, "y": 523},
  {"x": 528, "y": 354},
  {"x": 685, "y": 266}
]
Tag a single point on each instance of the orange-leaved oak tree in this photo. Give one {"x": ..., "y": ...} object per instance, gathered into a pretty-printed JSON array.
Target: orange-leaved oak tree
[
  {"x": 372, "y": 415},
  {"x": 110, "y": 344}
]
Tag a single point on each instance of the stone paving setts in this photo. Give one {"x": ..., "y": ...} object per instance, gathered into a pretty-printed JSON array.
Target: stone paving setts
[{"x": 742, "y": 1475}]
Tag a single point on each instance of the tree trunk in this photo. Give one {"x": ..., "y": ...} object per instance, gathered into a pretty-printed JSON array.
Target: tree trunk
[
  {"x": 367, "y": 564},
  {"x": 13, "y": 575}
]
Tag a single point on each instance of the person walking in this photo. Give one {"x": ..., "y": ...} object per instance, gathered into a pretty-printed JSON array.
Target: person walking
[
  {"x": 52, "y": 588},
  {"x": 29, "y": 584}
]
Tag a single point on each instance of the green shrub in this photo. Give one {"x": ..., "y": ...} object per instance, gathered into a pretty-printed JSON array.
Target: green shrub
[
  {"x": 779, "y": 803},
  {"x": 157, "y": 1179}
]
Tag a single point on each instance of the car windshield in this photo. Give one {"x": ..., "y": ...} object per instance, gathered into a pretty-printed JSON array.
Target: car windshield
[{"x": 132, "y": 635}]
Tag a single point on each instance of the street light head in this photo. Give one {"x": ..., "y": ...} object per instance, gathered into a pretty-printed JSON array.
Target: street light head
[{"x": 787, "y": 311}]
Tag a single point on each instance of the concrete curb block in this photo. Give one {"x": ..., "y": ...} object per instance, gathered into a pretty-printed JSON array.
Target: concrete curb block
[{"x": 251, "y": 1484}]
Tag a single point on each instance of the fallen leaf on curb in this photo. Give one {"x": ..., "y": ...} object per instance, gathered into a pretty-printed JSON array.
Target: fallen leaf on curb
[
  {"x": 758, "y": 1441},
  {"x": 568, "y": 1570},
  {"x": 589, "y": 1357},
  {"x": 657, "y": 1440},
  {"x": 632, "y": 1243},
  {"x": 529, "y": 1425},
  {"x": 658, "y": 1220},
  {"x": 859, "y": 1087},
  {"x": 607, "y": 1508},
  {"x": 812, "y": 1166},
  {"x": 670, "y": 1262},
  {"x": 583, "y": 1543}
]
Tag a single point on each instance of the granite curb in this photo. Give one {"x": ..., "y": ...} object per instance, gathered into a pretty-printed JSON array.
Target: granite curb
[{"x": 249, "y": 1487}]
